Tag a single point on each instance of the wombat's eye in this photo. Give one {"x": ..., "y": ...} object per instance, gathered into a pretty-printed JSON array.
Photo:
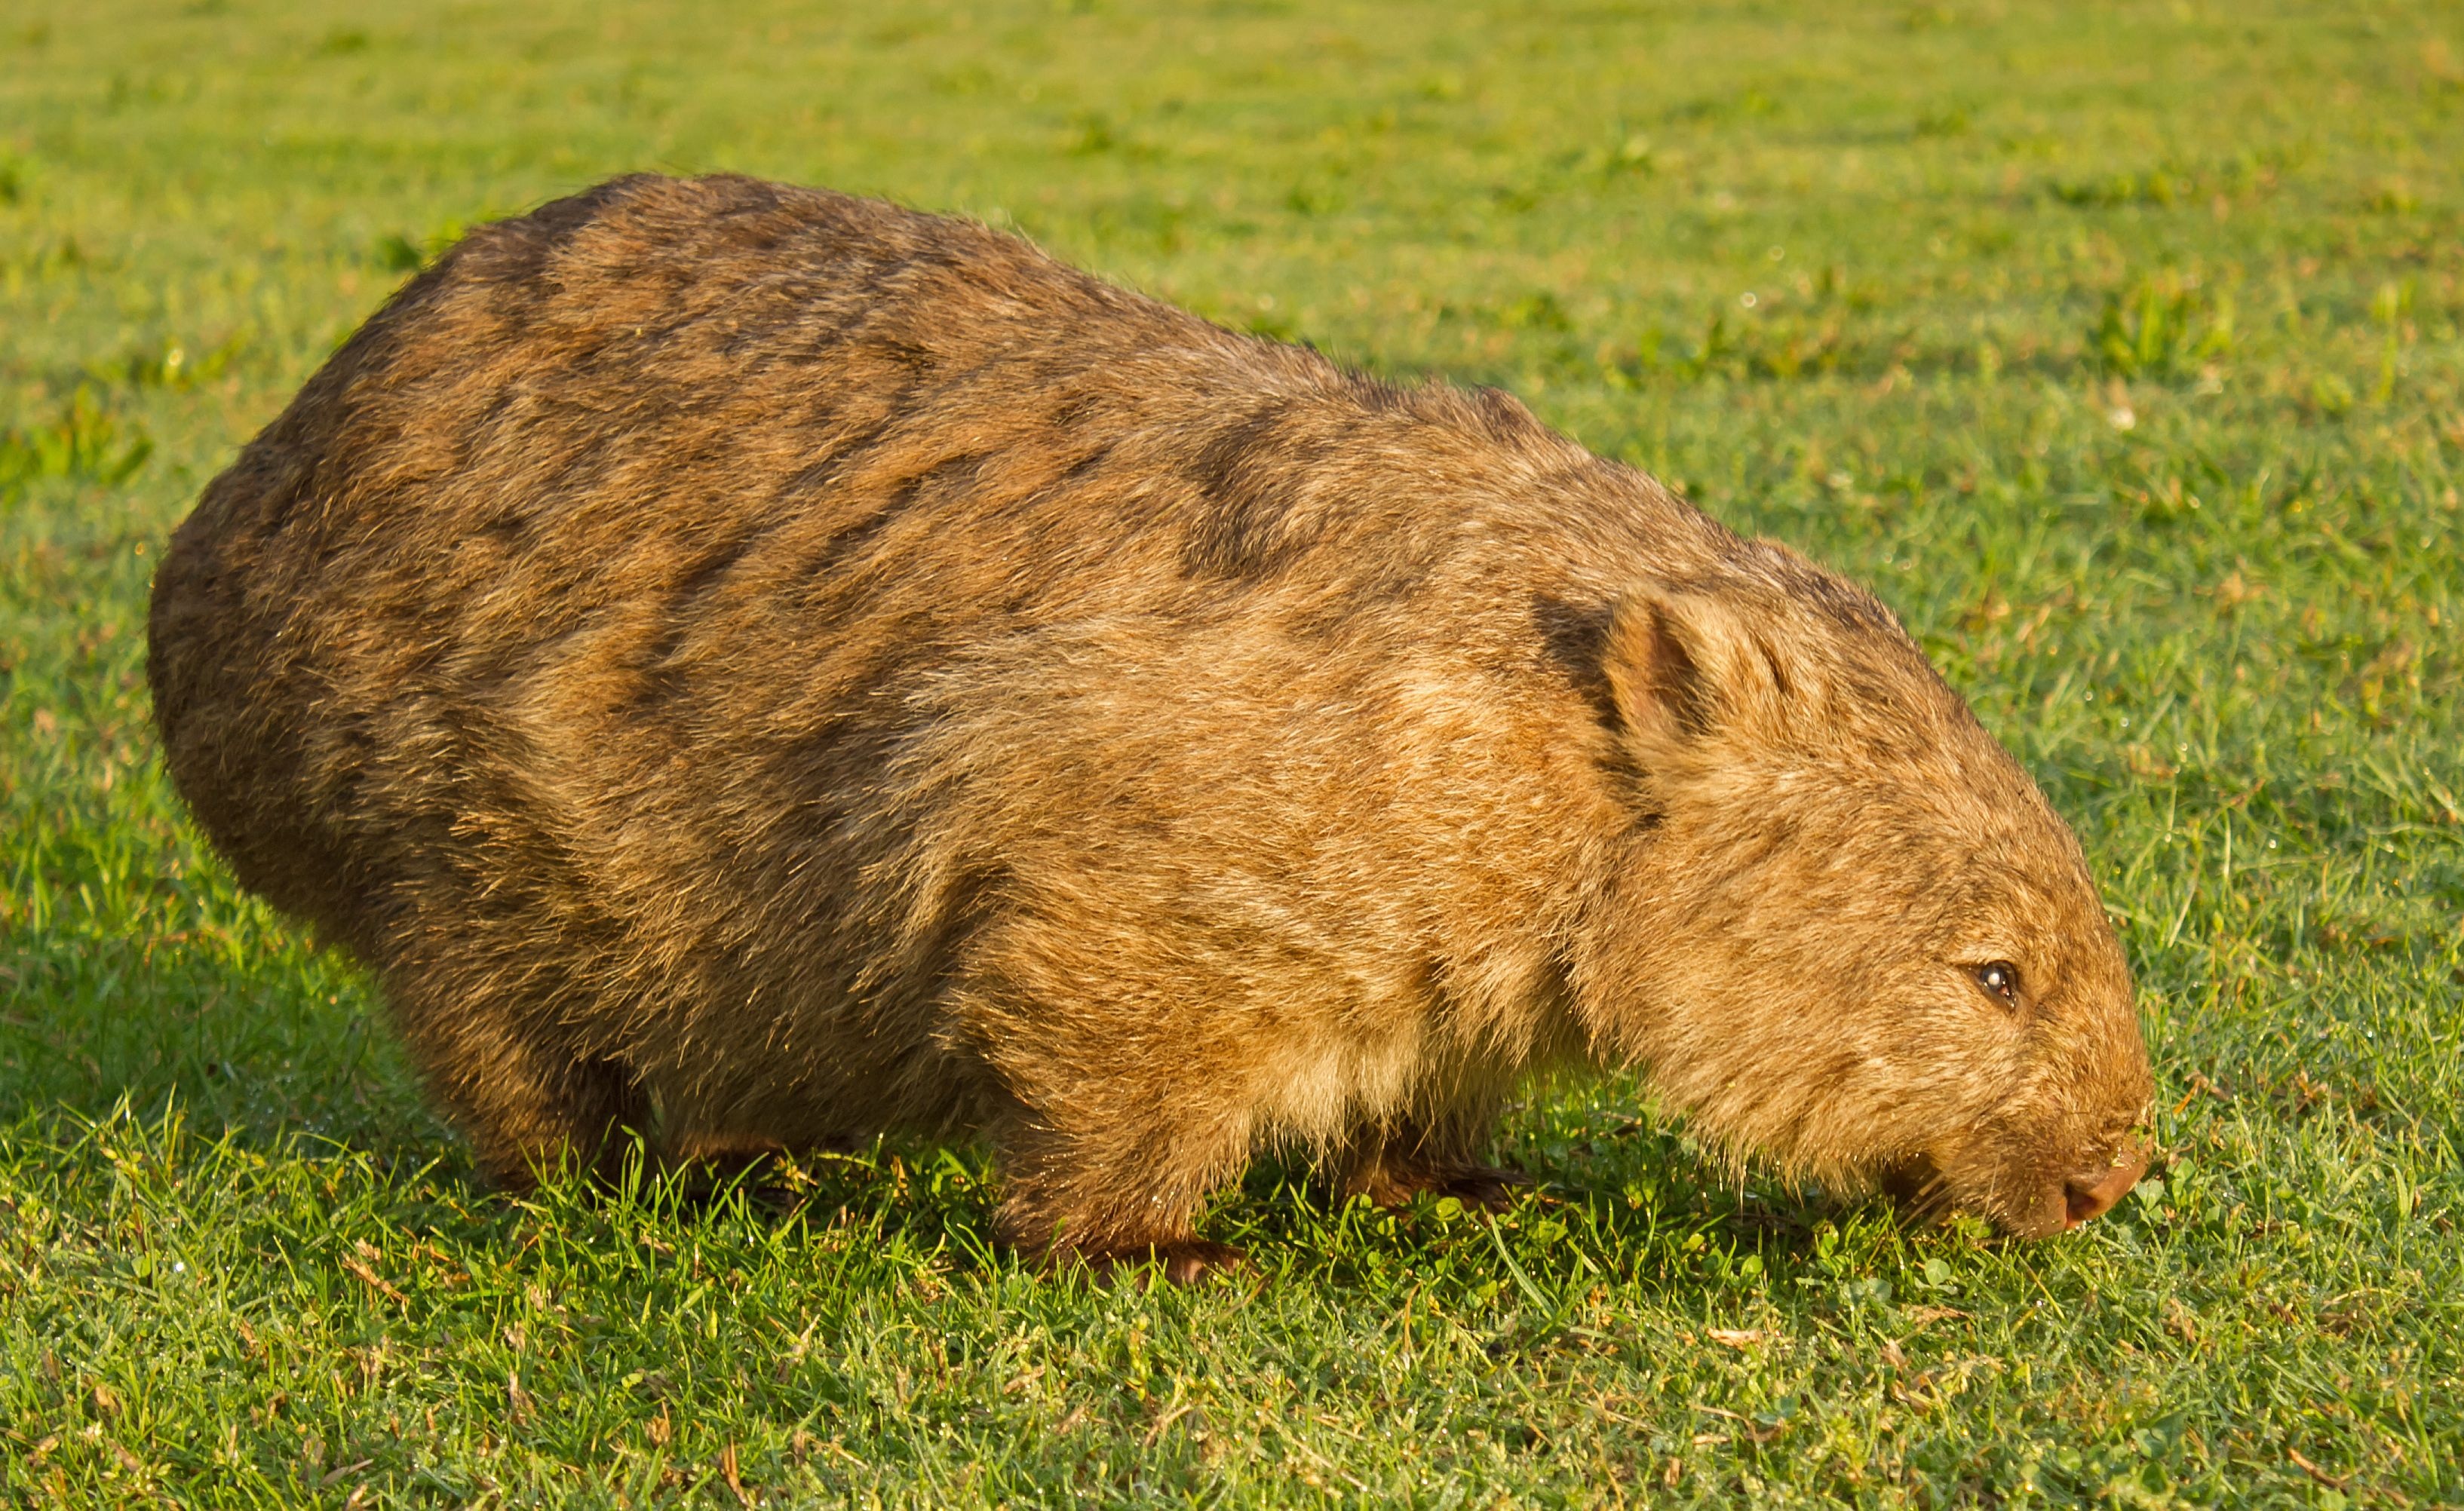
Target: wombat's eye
[{"x": 2000, "y": 979}]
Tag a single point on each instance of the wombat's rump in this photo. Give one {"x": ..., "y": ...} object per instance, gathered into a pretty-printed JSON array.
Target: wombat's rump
[{"x": 758, "y": 667}]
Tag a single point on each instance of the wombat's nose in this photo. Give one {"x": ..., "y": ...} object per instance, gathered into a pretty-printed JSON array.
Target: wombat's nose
[{"x": 2095, "y": 1193}]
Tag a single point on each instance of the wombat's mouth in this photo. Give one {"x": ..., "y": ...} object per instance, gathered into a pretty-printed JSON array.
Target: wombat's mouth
[
  {"x": 1916, "y": 1187},
  {"x": 1923, "y": 1193}
]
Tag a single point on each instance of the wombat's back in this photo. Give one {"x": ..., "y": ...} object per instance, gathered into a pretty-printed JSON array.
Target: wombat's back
[{"x": 549, "y": 455}]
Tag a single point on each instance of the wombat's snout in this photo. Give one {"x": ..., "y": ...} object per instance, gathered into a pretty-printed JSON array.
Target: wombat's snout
[
  {"x": 2035, "y": 1204},
  {"x": 2087, "y": 1191},
  {"x": 2093, "y": 1192}
]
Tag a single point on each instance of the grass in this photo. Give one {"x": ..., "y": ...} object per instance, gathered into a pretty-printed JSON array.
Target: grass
[{"x": 2118, "y": 345}]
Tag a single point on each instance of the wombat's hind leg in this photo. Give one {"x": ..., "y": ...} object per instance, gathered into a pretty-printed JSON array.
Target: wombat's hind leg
[
  {"x": 1188, "y": 1261},
  {"x": 1114, "y": 1203},
  {"x": 710, "y": 1163},
  {"x": 531, "y": 1107},
  {"x": 725, "y": 1154},
  {"x": 578, "y": 1116},
  {"x": 1391, "y": 1168}
]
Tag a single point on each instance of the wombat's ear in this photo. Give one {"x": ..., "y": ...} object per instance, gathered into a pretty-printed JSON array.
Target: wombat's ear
[{"x": 1682, "y": 667}]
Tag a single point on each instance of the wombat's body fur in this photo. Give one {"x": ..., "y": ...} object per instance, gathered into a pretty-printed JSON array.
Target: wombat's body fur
[{"x": 761, "y": 666}]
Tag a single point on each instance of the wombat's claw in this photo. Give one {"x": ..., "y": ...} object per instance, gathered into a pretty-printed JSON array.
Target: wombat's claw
[
  {"x": 1196, "y": 1260},
  {"x": 1184, "y": 1262},
  {"x": 1491, "y": 1188}
]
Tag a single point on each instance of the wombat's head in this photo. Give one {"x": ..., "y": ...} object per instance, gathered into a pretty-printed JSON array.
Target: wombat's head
[{"x": 1847, "y": 932}]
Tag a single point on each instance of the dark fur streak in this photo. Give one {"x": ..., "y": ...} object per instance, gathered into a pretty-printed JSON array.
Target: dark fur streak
[
  {"x": 1677, "y": 680},
  {"x": 845, "y": 543},
  {"x": 1089, "y": 465},
  {"x": 1574, "y": 638},
  {"x": 1375, "y": 394},
  {"x": 1240, "y": 529},
  {"x": 1770, "y": 662},
  {"x": 1503, "y": 415}
]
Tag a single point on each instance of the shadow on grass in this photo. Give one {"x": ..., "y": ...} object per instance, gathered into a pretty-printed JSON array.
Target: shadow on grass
[
  {"x": 266, "y": 1037},
  {"x": 280, "y": 1051}
]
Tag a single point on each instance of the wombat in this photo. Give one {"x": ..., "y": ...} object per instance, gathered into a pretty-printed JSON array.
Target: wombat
[{"x": 759, "y": 668}]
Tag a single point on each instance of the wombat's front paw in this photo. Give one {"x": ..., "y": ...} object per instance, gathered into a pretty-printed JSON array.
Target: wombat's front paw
[
  {"x": 1491, "y": 1188},
  {"x": 1196, "y": 1260},
  {"x": 1185, "y": 1262}
]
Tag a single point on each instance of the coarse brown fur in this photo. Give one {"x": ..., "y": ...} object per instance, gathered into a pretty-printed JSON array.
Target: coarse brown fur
[{"x": 758, "y": 667}]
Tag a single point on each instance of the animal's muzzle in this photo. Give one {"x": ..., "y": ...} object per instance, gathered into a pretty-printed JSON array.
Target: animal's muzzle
[{"x": 2092, "y": 1193}]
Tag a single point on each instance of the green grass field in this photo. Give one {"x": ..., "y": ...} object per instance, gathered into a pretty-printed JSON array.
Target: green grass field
[{"x": 2117, "y": 345}]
